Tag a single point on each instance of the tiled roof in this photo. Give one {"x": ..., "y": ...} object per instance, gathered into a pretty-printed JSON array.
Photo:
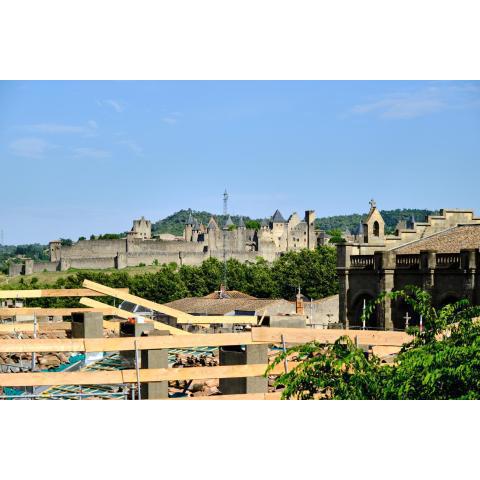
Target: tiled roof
[
  {"x": 229, "y": 294},
  {"x": 214, "y": 306},
  {"x": 447, "y": 241}
]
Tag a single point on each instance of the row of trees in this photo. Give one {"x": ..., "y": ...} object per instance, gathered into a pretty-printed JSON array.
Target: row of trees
[
  {"x": 313, "y": 271},
  {"x": 441, "y": 362}
]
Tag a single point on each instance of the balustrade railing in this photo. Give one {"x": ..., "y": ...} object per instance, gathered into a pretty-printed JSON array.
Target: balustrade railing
[
  {"x": 362, "y": 261},
  {"x": 408, "y": 261},
  {"x": 448, "y": 260}
]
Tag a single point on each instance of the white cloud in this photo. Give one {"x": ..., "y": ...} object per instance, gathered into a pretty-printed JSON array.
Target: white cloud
[
  {"x": 117, "y": 105},
  {"x": 59, "y": 128},
  {"x": 55, "y": 128},
  {"x": 133, "y": 146},
  {"x": 170, "y": 120},
  {"x": 30, "y": 147},
  {"x": 85, "y": 152},
  {"x": 421, "y": 102}
]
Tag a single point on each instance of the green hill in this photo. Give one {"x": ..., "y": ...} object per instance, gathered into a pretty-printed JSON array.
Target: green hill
[{"x": 174, "y": 223}]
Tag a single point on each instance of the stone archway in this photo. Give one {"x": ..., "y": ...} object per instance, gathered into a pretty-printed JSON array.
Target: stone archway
[{"x": 356, "y": 310}]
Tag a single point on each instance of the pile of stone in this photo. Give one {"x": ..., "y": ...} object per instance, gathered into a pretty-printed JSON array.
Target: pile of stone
[
  {"x": 197, "y": 388},
  {"x": 22, "y": 362},
  {"x": 185, "y": 360}
]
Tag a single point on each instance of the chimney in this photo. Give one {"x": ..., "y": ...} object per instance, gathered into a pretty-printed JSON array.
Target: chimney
[
  {"x": 299, "y": 307},
  {"x": 222, "y": 291}
]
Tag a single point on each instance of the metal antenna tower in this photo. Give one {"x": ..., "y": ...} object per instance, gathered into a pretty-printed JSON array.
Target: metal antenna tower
[{"x": 225, "y": 228}]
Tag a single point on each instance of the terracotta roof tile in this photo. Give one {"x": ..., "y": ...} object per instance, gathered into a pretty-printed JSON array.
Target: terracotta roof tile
[{"x": 451, "y": 240}]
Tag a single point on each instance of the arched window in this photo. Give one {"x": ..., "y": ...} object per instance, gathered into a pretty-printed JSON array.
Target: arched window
[{"x": 376, "y": 229}]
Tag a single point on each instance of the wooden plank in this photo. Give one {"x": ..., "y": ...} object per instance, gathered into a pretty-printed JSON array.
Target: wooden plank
[
  {"x": 227, "y": 319},
  {"x": 111, "y": 325},
  {"x": 181, "y": 317},
  {"x": 28, "y": 327},
  {"x": 124, "y": 314},
  {"x": 171, "y": 312},
  {"x": 240, "y": 396},
  {"x": 173, "y": 341},
  {"x": 60, "y": 312},
  {"x": 61, "y": 378},
  {"x": 130, "y": 376},
  {"x": 125, "y": 343},
  {"x": 60, "y": 292},
  {"x": 29, "y": 345},
  {"x": 303, "y": 335}
]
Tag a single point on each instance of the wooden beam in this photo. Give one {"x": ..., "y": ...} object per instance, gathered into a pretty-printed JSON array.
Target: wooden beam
[
  {"x": 182, "y": 317},
  {"x": 124, "y": 343},
  {"x": 52, "y": 312},
  {"x": 303, "y": 335},
  {"x": 240, "y": 396},
  {"x": 126, "y": 315},
  {"x": 130, "y": 376},
  {"x": 28, "y": 327},
  {"x": 60, "y": 292},
  {"x": 157, "y": 307}
]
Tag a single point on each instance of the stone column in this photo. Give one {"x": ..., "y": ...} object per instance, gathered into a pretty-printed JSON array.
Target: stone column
[
  {"x": 133, "y": 330},
  {"x": 385, "y": 263},
  {"x": 343, "y": 270},
  {"x": 88, "y": 325},
  {"x": 235, "y": 355},
  {"x": 468, "y": 259},
  {"x": 428, "y": 262},
  {"x": 155, "y": 359}
]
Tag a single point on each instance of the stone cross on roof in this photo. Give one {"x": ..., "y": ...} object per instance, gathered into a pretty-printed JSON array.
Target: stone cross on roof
[{"x": 372, "y": 203}]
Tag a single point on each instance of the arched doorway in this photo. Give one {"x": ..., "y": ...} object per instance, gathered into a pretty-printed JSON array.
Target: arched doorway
[{"x": 358, "y": 306}]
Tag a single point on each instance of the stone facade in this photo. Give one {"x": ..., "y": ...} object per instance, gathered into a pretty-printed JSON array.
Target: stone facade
[
  {"x": 440, "y": 255},
  {"x": 199, "y": 242}
]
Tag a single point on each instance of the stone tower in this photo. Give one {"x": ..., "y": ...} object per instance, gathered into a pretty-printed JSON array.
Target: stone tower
[
  {"x": 310, "y": 221},
  {"x": 188, "y": 227},
  {"x": 55, "y": 250},
  {"x": 374, "y": 226}
]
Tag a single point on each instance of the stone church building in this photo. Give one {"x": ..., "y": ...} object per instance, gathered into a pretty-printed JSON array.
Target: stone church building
[{"x": 440, "y": 255}]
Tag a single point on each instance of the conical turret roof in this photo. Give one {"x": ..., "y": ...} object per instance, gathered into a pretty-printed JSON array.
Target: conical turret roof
[
  {"x": 229, "y": 222},
  {"x": 212, "y": 224},
  {"x": 278, "y": 217},
  {"x": 189, "y": 219},
  {"x": 241, "y": 223}
]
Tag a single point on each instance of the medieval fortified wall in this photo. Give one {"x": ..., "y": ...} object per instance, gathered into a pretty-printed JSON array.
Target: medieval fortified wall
[{"x": 198, "y": 243}]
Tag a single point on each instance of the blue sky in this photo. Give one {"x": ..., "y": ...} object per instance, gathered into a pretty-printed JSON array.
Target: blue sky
[{"x": 87, "y": 157}]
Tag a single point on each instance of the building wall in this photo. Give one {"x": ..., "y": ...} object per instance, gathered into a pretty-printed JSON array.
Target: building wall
[{"x": 363, "y": 279}]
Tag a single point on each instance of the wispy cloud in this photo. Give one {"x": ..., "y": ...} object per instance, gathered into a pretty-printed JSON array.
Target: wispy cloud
[
  {"x": 117, "y": 105},
  {"x": 85, "y": 152},
  {"x": 133, "y": 146},
  {"x": 420, "y": 102},
  {"x": 171, "y": 118},
  {"x": 60, "y": 128},
  {"x": 30, "y": 147}
]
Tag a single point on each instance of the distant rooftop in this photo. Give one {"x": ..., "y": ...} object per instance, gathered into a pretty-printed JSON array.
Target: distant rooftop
[{"x": 447, "y": 241}]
